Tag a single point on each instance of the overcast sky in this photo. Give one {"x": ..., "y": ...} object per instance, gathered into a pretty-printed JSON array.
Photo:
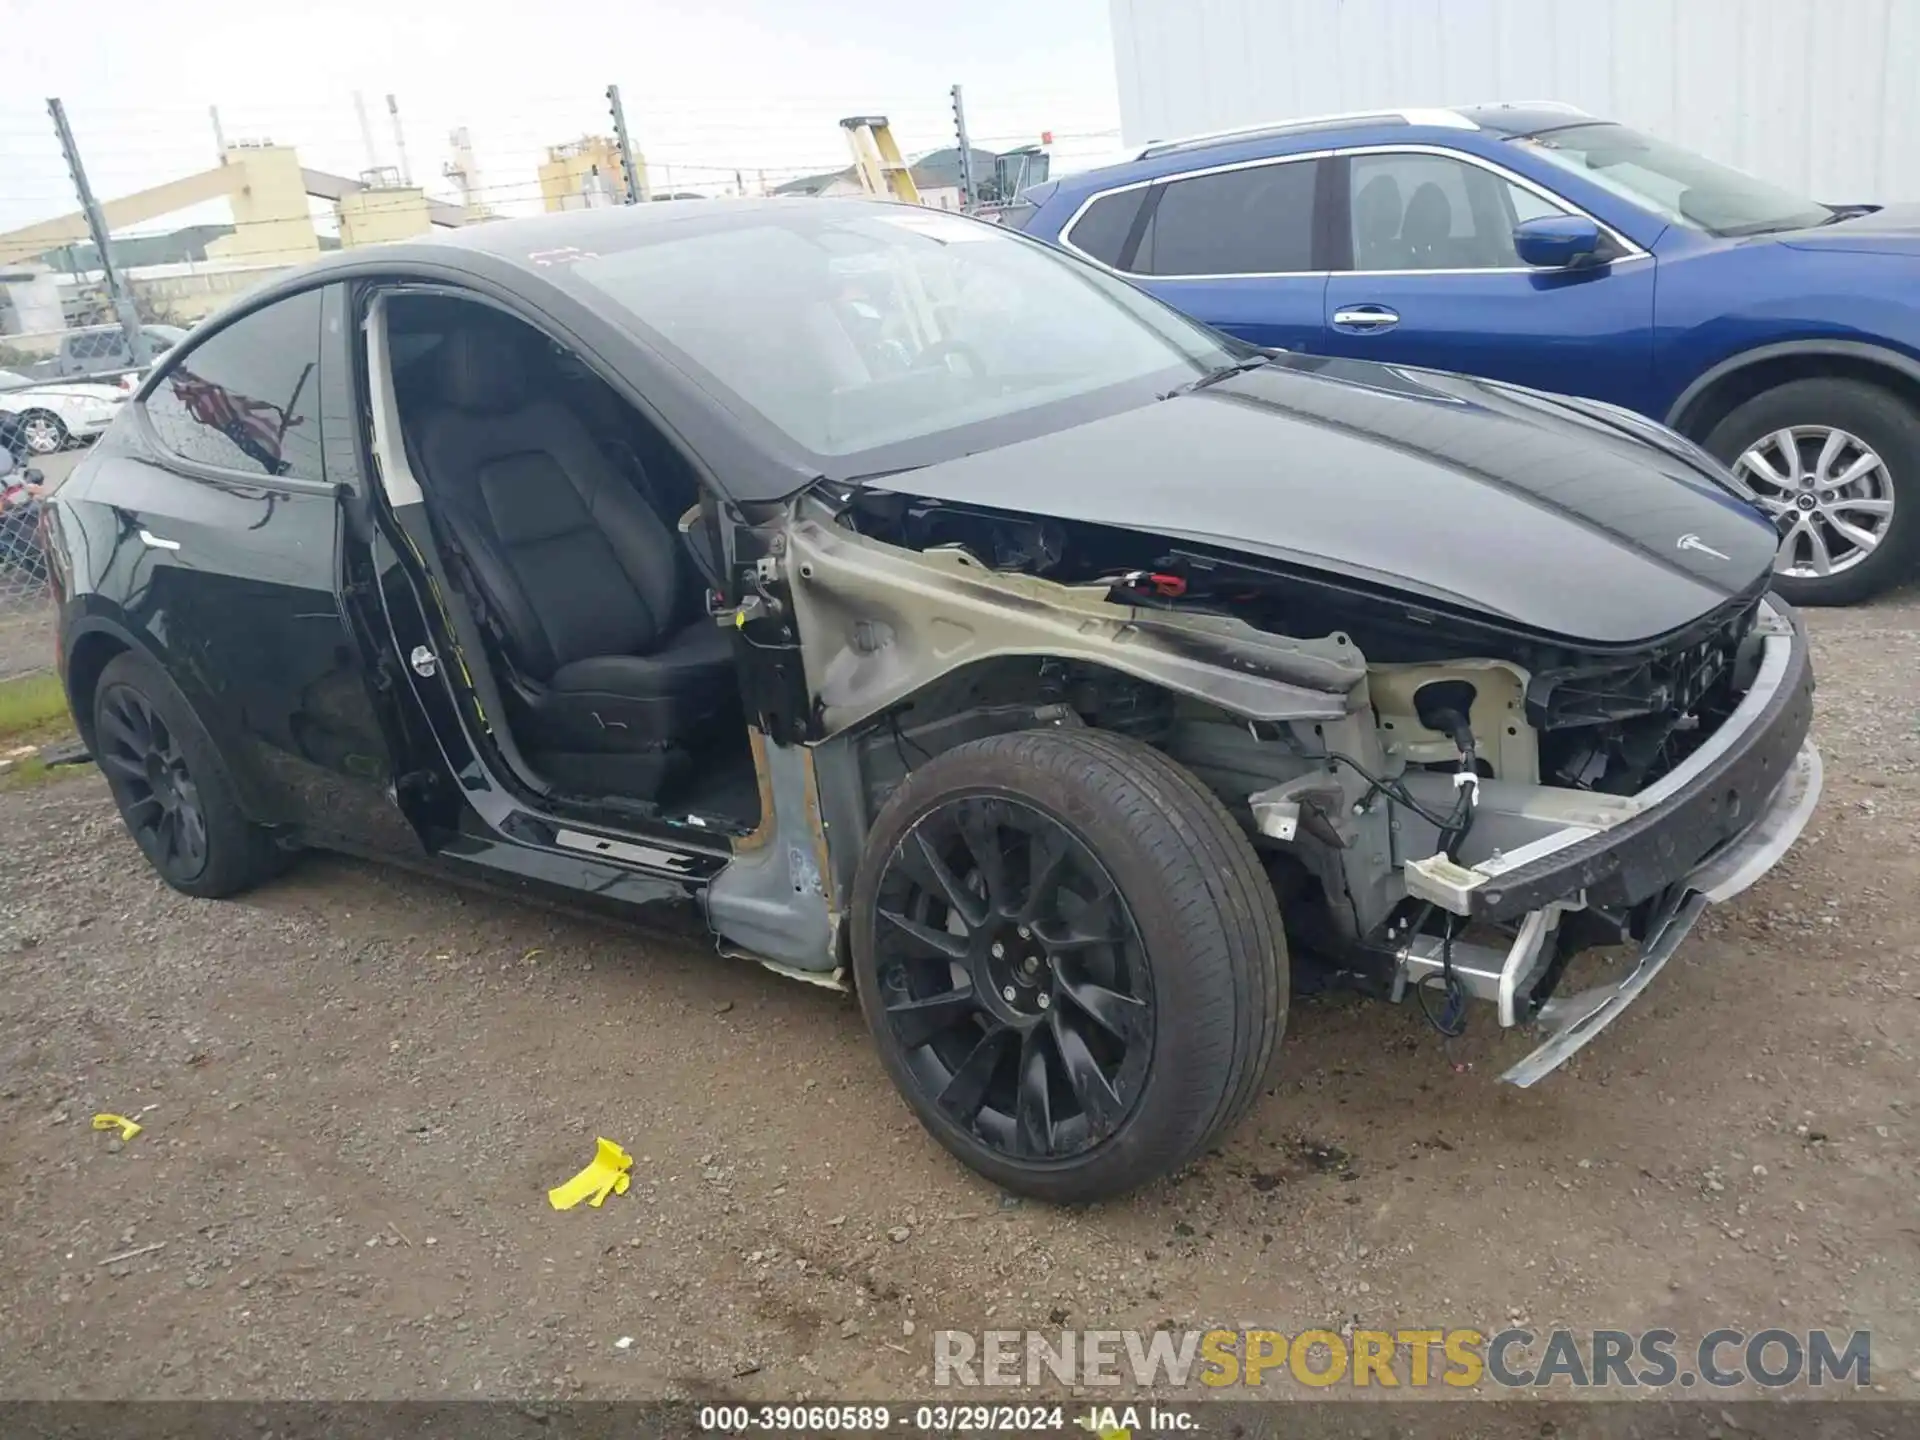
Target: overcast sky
[{"x": 709, "y": 87}]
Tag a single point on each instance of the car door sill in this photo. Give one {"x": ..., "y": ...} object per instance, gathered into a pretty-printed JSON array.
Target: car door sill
[{"x": 647, "y": 857}]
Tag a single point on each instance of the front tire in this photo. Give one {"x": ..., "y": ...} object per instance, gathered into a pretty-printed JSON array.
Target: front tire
[
  {"x": 1837, "y": 465},
  {"x": 173, "y": 789},
  {"x": 1070, "y": 959},
  {"x": 43, "y": 432}
]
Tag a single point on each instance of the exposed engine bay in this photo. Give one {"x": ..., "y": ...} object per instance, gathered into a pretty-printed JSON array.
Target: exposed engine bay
[
  {"x": 1460, "y": 749},
  {"x": 1583, "y": 721}
]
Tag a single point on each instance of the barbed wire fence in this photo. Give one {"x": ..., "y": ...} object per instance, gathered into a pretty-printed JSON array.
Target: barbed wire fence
[{"x": 367, "y": 168}]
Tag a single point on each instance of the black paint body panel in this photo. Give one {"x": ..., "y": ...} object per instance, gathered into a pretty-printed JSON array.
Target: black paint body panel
[{"x": 1460, "y": 493}]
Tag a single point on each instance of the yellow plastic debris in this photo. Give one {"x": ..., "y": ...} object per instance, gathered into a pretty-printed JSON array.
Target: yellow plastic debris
[
  {"x": 125, "y": 1126},
  {"x": 606, "y": 1175}
]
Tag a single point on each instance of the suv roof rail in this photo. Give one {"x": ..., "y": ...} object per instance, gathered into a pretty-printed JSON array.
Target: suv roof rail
[
  {"x": 1449, "y": 119},
  {"x": 1559, "y": 107}
]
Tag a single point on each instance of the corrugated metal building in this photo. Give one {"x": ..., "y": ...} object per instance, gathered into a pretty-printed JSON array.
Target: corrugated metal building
[{"x": 1820, "y": 95}]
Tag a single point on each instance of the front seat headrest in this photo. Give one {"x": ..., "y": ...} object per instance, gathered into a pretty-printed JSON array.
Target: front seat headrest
[
  {"x": 1429, "y": 220},
  {"x": 1376, "y": 218},
  {"x": 482, "y": 367}
]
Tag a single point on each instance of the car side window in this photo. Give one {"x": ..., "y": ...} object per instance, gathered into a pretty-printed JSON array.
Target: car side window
[
  {"x": 1102, "y": 231},
  {"x": 1526, "y": 205},
  {"x": 246, "y": 398},
  {"x": 1417, "y": 211},
  {"x": 1252, "y": 221}
]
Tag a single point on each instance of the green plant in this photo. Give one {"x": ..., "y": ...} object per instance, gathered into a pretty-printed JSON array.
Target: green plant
[{"x": 33, "y": 707}]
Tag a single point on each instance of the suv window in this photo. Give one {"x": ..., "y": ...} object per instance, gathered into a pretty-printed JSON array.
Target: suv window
[
  {"x": 246, "y": 397},
  {"x": 1102, "y": 232},
  {"x": 1255, "y": 221},
  {"x": 1430, "y": 212}
]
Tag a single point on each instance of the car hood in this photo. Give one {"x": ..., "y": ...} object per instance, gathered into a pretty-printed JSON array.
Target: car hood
[
  {"x": 1889, "y": 230},
  {"x": 1558, "y": 517}
]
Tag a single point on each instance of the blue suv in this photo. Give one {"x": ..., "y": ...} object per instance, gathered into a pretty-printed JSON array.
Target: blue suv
[{"x": 1538, "y": 245}]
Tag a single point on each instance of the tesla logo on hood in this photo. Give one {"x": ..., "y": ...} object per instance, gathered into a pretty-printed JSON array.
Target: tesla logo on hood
[{"x": 1694, "y": 542}]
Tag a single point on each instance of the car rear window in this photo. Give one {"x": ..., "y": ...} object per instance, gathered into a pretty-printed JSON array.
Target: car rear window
[
  {"x": 1101, "y": 232},
  {"x": 1253, "y": 221},
  {"x": 244, "y": 398}
]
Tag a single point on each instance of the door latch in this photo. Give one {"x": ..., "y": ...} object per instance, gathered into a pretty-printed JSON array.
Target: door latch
[{"x": 424, "y": 661}]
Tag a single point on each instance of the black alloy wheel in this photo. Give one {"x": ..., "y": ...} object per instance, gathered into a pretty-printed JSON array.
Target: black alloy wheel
[
  {"x": 148, "y": 774},
  {"x": 172, "y": 785},
  {"x": 1013, "y": 977},
  {"x": 1070, "y": 959}
]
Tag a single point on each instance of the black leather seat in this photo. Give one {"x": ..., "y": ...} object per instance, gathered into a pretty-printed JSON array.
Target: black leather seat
[{"x": 616, "y": 673}]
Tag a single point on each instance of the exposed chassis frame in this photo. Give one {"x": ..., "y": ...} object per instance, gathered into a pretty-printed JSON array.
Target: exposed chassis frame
[{"x": 1579, "y": 864}]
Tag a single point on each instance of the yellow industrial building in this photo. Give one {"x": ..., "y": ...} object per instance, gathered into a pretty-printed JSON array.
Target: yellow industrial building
[
  {"x": 588, "y": 172},
  {"x": 271, "y": 195}
]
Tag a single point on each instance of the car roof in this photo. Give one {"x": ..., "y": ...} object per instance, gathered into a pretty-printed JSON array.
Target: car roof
[
  {"x": 1509, "y": 118},
  {"x": 548, "y": 244},
  {"x": 525, "y": 239},
  {"x": 535, "y": 258},
  {"x": 1311, "y": 124},
  {"x": 1501, "y": 119}
]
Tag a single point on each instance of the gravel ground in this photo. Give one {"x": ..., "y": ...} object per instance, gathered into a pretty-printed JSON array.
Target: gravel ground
[{"x": 358, "y": 1084}]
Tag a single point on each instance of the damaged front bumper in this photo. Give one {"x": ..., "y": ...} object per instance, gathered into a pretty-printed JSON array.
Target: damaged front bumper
[
  {"x": 1572, "y": 1020},
  {"x": 1703, "y": 833}
]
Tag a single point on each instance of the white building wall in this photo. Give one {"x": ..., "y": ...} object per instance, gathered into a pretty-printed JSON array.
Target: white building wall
[{"x": 1820, "y": 95}]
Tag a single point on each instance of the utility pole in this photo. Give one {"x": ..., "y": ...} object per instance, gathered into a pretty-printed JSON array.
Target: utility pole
[
  {"x": 626, "y": 144},
  {"x": 969, "y": 196},
  {"x": 97, "y": 227}
]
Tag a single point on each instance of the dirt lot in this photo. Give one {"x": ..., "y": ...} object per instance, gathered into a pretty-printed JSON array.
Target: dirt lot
[{"x": 357, "y": 1085}]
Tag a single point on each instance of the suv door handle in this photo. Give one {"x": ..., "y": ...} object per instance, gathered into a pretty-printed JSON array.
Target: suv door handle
[{"x": 1366, "y": 318}]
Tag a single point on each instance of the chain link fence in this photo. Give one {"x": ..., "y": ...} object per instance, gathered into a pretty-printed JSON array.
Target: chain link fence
[
  {"x": 23, "y": 562},
  {"x": 26, "y": 597}
]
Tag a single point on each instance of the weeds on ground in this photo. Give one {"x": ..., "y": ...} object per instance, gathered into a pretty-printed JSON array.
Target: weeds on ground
[{"x": 33, "y": 711}]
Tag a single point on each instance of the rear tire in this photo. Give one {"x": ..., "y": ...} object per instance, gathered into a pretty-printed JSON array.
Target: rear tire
[
  {"x": 1846, "y": 424},
  {"x": 1179, "y": 1003},
  {"x": 173, "y": 789}
]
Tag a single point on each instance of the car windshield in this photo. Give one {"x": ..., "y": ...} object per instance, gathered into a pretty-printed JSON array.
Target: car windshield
[
  {"x": 1681, "y": 185},
  {"x": 886, "y": 337}
]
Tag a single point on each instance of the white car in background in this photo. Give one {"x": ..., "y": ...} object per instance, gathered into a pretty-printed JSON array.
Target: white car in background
[{"x": 59, "y": 413}]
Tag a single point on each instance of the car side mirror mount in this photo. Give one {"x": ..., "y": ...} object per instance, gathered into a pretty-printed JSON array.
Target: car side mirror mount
[{"x": 1557, "y": 242}]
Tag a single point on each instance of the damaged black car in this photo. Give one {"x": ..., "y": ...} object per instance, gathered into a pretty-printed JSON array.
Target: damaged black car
[{"x": 947, "y": 622}]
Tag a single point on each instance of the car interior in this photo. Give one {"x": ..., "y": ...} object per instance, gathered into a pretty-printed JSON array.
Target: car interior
[
  {"x": 556, "y": 508},
  {"x": 1425, "y": 229}
]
